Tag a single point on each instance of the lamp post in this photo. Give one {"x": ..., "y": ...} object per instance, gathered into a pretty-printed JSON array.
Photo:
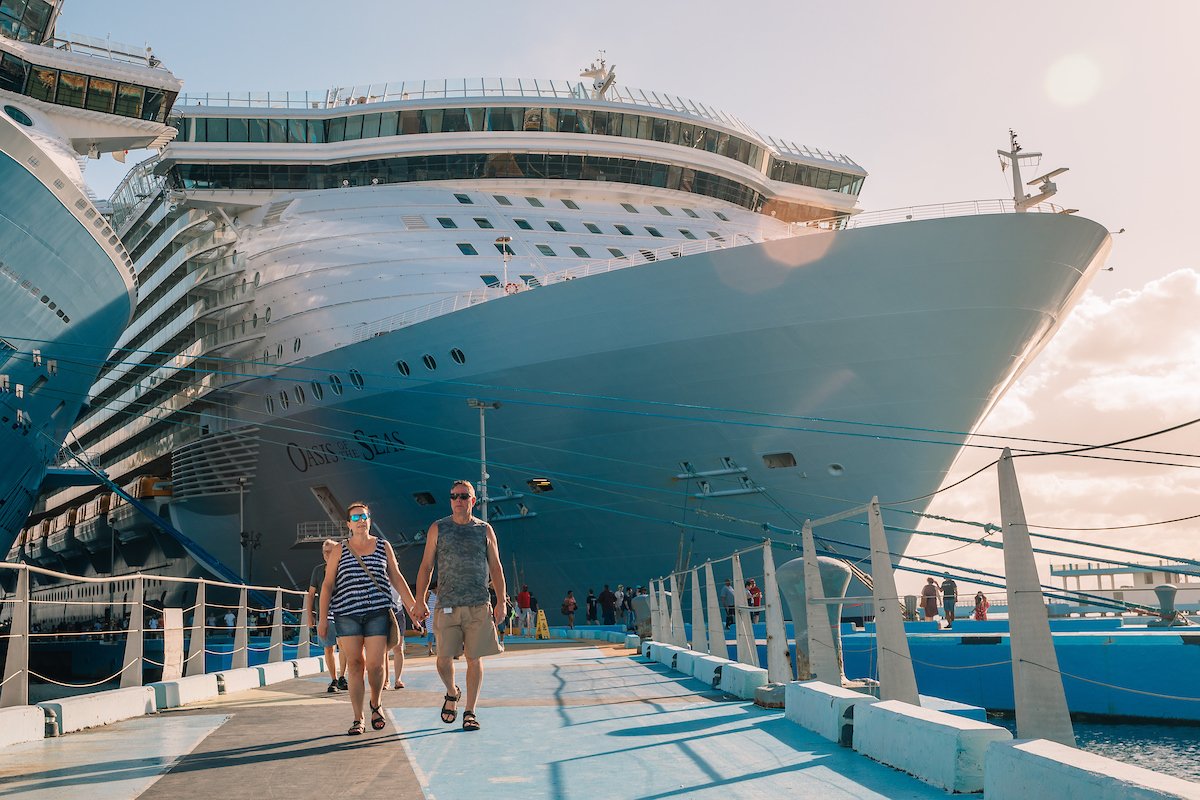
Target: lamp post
[
  {"x": 483, "y": 406},
  {"x": 242, "y": 527},
  {"x": 506, "y": 253}
]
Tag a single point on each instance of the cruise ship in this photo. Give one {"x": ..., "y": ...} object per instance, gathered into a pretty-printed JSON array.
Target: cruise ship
[
  {"x": 657, "y": 333},
  {"x": 68, "y": 287}
]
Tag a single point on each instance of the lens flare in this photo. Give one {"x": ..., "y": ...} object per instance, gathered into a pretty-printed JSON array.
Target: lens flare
[{"x": 1073, "y": 80}]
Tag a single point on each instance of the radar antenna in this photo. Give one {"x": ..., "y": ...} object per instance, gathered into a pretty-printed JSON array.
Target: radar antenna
[
  {"x": 1045, "y": 183},
  {"x": 602, "y": 76}
]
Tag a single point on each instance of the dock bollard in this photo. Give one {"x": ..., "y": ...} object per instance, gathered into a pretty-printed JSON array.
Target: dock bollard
[{"x": 51, "y": 723}]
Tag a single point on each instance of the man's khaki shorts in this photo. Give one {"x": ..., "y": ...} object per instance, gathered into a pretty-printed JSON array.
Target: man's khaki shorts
[{"x": 466, "y": 629}]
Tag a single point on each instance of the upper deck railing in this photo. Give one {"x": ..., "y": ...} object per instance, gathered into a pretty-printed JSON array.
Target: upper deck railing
[
  {"x": 967, "y": 208},
  {"x": 106, "y": 48},
  {"x": 485, "y": 88}
]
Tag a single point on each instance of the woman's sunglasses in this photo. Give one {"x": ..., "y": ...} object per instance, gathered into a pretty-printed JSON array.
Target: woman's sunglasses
[{"x": 359, "y": 517}]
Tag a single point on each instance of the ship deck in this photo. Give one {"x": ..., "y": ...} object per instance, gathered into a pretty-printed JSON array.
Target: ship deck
[{"x": 559, "y": 721}]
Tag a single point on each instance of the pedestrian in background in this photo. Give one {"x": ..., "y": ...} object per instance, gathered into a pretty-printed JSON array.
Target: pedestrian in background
[
  {"x": 328, "y": 642},
  {"x": 569, "y": 605}
]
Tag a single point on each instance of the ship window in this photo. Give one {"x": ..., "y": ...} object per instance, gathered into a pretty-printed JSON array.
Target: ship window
[
  {"x": 490, "y": 280},
  {"x": 523, "y": 224},
  {"x": 555, "y": 225},
  {"x": 101, "y": 94},
  {"x": 446, "y": 222},
  {"x": 540, "y": 485},
  {"x": 533, "y": 201},
  {"x": 545, "y": 249},
  {"x": 402, "y": 368},
  {"x": 52, "y": 367},
  {"x": 464, "y": 199},
  {"x": 571, "y": 204},
  {"x": 779, "y": 460},
  {"x": 621, "y": 229},
  {"x": 458, "y": 356},
  {"x": 318, "y": 390},
  {"x": 283, "y": 400},
  {"x": 430, "y": 362},
  {"x": 37, "y": 358},
  {"x": 504, "y": 248},
  {"x": 484, "y": 222},
  {"x": 253, "y": 322},
  {"x": 4, "y": 383},
  {"x": 579, "y": 251},
  {"x": 687, "y": 234},
  {"x": 629, "y": 208},
  {"x": 424, "y": 498},
  {"x": 616, "y": 253},
  {"x": 721, "y": 216},
  {"x": 592, "y": 227},
  {"x": 653, "y": 232},
  {"x": 502, "y": 200},
  {"x": 279, "y": 350},
  {"x": 370, "y": 126},
  {"x": 467, "y": 249},
  {"x": 129, "y": 100},
  {"x": 691, "y": 213},
  {"x": 19, "y": 390},
  {"x": 296, "y": 345},
  {"x": 300, "y": 398},
  {"x": 269, "y": 403},
  {"x": 335, "y": 383},
  {"x": 267, "y": 315},
  {"x": 662, "y": 210},
  {"x": 19, "y": 115},
  {"x": 71, "y": 89},
  {"x": 716, "y": 236}
]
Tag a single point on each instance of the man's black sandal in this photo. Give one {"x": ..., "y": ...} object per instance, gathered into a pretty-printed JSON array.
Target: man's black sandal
[
  {"x": 450, "y": 714},
  {"x": 469, "y": 721},
  {"x": 378, "y": 720}
]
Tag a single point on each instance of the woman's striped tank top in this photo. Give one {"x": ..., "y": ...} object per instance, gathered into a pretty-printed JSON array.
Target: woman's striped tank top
[{"x": 353, "y": 592}]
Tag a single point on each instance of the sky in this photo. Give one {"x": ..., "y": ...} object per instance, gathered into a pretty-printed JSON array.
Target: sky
[{"x": 921, "y": 94}]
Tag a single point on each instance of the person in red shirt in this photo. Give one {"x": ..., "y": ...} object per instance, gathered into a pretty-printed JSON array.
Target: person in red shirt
[
  {"x": 524, "y": 611},
  {"x": 754, "y": 598}
]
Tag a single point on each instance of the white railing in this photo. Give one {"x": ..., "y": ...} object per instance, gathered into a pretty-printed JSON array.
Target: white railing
[
  {"x": 967, "y": 208},
  {"x": 422, "y": 313},
  {"x": 318, "y": 530},
  {"x": 107, "y": 48}
]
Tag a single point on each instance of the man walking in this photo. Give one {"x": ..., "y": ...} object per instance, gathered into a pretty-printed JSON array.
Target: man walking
[
  {"x": 524, "y": 612},
  {"x": 337, "y": 679},
  {"x": 728, "y": 601},
  {"x": 465, "y": 550},
  {"x": 608, "y": 605},
  {"x": 949, "y": 599}
]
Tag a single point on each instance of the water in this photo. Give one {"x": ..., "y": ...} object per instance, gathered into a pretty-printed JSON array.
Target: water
[{"x": 1169, "y": 749}]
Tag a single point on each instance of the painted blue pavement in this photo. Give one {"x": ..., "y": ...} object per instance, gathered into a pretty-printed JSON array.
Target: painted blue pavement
[
  {"x": 111, "y": 763},
  {"x": 580, "y": 724}
]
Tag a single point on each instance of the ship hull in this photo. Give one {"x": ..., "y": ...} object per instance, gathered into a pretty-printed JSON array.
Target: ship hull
[{"x": 851, "y": 353}]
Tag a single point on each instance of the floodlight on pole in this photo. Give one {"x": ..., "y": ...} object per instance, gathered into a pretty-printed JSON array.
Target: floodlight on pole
[{"x": 483, "y": 406}]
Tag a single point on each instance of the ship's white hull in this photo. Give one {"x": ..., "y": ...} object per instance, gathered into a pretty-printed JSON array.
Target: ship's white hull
[{"x": 612, "y": 386}]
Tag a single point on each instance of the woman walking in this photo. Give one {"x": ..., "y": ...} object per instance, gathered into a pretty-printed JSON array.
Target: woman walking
[
  {"x": 356, "y": 579},
  {"x": 569, "y": 606},
  {"x": 929, "y": 598}
]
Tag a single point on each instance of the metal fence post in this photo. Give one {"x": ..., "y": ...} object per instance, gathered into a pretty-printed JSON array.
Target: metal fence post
[
  {"x": 131, "y": 667},
  {"x": 15, "y": 690}
]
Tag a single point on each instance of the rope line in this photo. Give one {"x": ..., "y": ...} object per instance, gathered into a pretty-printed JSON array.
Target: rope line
[{"x": 112, "y": 677}]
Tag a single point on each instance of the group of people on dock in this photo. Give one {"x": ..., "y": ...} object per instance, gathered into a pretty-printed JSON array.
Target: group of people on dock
[
  {"x": 362, "y": 598},
  {"x": 947, "y": 594}
]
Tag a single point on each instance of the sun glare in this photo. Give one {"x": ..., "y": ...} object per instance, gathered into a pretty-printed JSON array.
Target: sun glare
[{"x": 1073, "y": 80}]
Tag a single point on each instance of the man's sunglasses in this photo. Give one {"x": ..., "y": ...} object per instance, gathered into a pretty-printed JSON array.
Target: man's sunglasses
[
  {"x": 359, "y": 517},
  {"x": 459, "y": 496}
]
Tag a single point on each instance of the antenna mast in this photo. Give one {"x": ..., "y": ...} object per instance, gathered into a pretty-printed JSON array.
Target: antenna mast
[{"x": 1045, "y": 183}]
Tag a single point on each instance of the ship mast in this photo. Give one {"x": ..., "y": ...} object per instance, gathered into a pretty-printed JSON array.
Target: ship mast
[
  {"x": 1045, "y": 183},
  {"x": 602, "y": 76}
]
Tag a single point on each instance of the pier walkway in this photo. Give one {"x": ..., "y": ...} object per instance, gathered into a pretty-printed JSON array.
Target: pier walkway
[{"x": 561, "y": 720}]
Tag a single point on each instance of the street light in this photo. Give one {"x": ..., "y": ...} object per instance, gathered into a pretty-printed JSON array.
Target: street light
[
  {"x": 505, "y": 252},
  {"x": 483, "y": 405},
  {"x": 242, "y": 526}
]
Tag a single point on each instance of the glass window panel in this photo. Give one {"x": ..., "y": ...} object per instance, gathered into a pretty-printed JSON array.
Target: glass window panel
[
  {"x": 315, "y": 129},
  {"x": 549, "y": 120},
  {"x": 629, "y": 126},
  {"x": 129, "y": 100},
  {"x": 484, "y": 222},
  {"x": 71, "y": 90},
  {"x": 218, "y": 130},
  {"x": 566, "y": 120},
  {"x": 337, "y": 129},
  {"x": 467, "y": 249},
  {"x": 431, "y": 120},
  {"x": 12, "y": 74},
  {"x": 154, "y": 107},
  {"x": 388, "y": 122},
  {"x": 354, "y": 127},
  {"x": 446, "y": 222},
  {"x": 238, "y": 130},
  {"x": 591, "y": 226},
  {"x": 579, "y": 251},
  {"x": 659, "y": 130},
  {"x": 523, "y": 224},
  {"x": 545, "y": 249},
  {"x": 370, "y": 126},
  {"x": 501, "y": 119},
  {"x": 621, "y": 229},
  {"x": 101, "y": 94},
  {"x": 599, "y": 123},
  {"x": 687, "y": 234},
  {"x": 583, "y": 121},
  {"x": 474, "y": 119},
  {"x": 201, "y": 125},
  {"x": 555, "y": 225},
  {"x": 295, "y": 131},
  {"x": 42, "y": 83},
  {"x": 410, "y": 122},
  {"x": 454, "y": 120},
  {"x": 616, "y": 253}
]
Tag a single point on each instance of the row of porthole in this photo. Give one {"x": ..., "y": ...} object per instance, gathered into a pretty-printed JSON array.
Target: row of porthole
[{"x": 356, "y": 380}]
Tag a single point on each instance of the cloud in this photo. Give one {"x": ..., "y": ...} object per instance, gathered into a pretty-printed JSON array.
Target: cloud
[{"x": 1119, "y": 367}]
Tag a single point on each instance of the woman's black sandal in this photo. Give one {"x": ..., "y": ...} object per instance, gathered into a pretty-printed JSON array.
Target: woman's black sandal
[
  {"x": 470, "y": 723},
  {"x": 450, "y": 714},
  {"x": 357, "y": 728},
  {"x": 378, "y": 720}
]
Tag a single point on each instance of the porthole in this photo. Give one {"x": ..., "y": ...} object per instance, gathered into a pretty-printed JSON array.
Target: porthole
[
  {"x": 267, "y": 315},
  {"x": 430, "y": 362},
  {"x": 424, "y": 498},
  {"x": 356, "y": 378},
  {"x": 458, "y": 356},
  {"x": 269, "y": 402},
  {"x": 257, "y": 279},
  {"x": 279, "y": 350},
  {"x": 254, "y": 322},
  {"x": 318, "y": 390},
  {"x": 283, "y": 400},
  {"x": 335, "y": 383},
  {"x": 19, "y": 115},
  {"x": 296, "y": 345},
  {"x": 836, "y": 470},
  {"x": 300, "y": 398},
  {"x": 402, "y": 368}
]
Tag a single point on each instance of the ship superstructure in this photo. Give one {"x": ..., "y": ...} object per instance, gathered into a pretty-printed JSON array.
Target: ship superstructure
[
  {"x": 67, "y": 284},
  {"x": 649, "y": 301}
]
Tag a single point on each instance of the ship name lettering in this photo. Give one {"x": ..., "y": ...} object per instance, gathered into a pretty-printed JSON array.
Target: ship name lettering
[
  {"x": 315, "y": 456},
  {"x": 377, "y": 444}
]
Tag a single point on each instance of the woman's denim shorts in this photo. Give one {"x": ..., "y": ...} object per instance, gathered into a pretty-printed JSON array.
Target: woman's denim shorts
[{"x": 374, "y": 623}]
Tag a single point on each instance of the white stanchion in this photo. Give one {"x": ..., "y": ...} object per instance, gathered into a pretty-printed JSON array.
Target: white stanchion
[
  {"x": 822, "y": 654},
  {"x": 678, "y": 631},
  {"x": 131, "y": 676},
  {"x": 897, "y": 680},
  {"x": 15, "y": 690},
  {"x": 779, "y": 666},
  {"x": 747, "y": 648},
  {"x": 655, "y": 623},
  {"x": 194, "y": 665},
  {"x": 241, "y": 637},
  {"x": 699, "y": 639},
  {"x": 275, "y": 654},
  {"x": 716, "y": 620}
]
